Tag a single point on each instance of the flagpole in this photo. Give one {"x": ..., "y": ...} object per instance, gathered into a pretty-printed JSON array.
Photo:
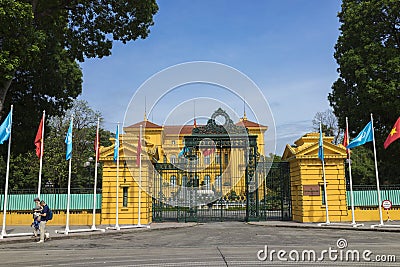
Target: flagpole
[
  {"x": 376, "y": 173},
  {"x": 95, "y": 174},
  {"x": 140, "y": 175},
  {"x": 323, "y": 173},
  {"x": 326, "y": 194},
  {"x": 69, "y": 185},
  {"x": 41, "y": 157},
  {"x": 117, "y": 185},
  {"x": 3, "y": 231},
  {"x": 353, "y": 222}
]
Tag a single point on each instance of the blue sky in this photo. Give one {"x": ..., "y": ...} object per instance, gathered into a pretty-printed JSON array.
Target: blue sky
[{"x": 285, "y": 46}]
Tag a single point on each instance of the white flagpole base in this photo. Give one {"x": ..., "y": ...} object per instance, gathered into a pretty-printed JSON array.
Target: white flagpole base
[
  {"x": 3, "y": 234},
  {"x": 79, "y": 231},
  {"x": 15, "y": 235},
  {"x": 354, "y": 224},
  {"x": 341, "y": 224},
  {"x": 135, "y": 226},
  {"x": 128, "y": 227},
  {"x": 65, "y": 232},
  {"x": 116, "y": 227},
  {"x": 386, "y": 225}
]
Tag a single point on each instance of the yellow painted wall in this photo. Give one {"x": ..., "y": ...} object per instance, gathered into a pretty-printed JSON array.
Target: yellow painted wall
[
  {"x": 129, "y": 179},
  {"x": 306, "y": 170},
  {"x": 59, "y": 218}
]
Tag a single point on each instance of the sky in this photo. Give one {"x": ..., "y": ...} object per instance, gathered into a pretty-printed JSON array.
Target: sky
[{"x": 285, "y": 47}]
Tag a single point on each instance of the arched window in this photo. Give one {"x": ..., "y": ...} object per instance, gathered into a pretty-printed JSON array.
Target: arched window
[
  {"x": 172, "y": 159},
  {"x": 207, "y": 182},
  {"x": 217, "y": 158},
  {"x": 184, "y": 181},
  {"x": 207, "y": 160},
  {"x": 218, "y": 181},
  {"x": 172, "y": 180}
]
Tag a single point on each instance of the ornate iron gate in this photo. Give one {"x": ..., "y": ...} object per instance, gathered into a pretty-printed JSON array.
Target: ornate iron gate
[
  {"x": 220, "y": 177},
  {"x": 193, "y": 204}
]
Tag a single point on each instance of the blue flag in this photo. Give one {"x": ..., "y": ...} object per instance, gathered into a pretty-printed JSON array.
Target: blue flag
[
  {"x": 116, "y": 147},
  {"x": 320, "y": 145},
  {"x": 5, "y": 129},
  {"x": 68, "y": 141},
  {"x": 183, "y": 151},
  {"x": 363, "y": 137}
]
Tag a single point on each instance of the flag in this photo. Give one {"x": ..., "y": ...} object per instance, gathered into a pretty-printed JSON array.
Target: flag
[
  {"x": 116, "y": 147},
  {"x": 68, "y": 141},
  {"x": 363, "y": 137},
  {"x": 208, "y": 151},
  {"x": 320, "y": 145},
  {"x": 346, "y": 141},
  {"x": 5, "y": 128},
  {"x": 38, "y": 139},
  {"x": 394, "y": 134},
  {"x": 194, "y": 123},
  {"x": 139, "y": 151},
  {"x": 183, "y": 151},
  {"x": 97, "y": 145}
]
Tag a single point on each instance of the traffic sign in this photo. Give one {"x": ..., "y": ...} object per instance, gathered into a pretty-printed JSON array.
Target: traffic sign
[{"x": 386, "y": 204}]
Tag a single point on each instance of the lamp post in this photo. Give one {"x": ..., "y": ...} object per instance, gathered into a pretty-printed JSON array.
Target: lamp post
[{"x": 87, "y": 165}]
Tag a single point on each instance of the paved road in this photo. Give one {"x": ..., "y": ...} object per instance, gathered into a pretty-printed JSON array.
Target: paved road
[{"x": 212, "y": 244}]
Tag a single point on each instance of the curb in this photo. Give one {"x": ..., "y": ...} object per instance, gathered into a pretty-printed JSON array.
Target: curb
[
  {"x": 55, "y": 236},
  {"x": 307, "y": 226}
]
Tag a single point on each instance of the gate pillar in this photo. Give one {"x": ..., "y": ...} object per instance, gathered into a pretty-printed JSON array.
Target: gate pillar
[{"x": 307, "y": 185}]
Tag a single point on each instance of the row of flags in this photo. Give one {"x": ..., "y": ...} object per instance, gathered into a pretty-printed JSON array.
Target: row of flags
[
  {"x": 365, "y": 136},
  {"x": 5, "y": 132}
]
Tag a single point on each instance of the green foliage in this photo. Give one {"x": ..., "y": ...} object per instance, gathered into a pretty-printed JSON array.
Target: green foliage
[
  {"x": 40, "y": 44},
  {"x": 368, "y": 54},
  {"x": 362, "y": 166},
  {"x": 273, "y": 158},
  {"x": 19, "y": 41},
  {"x": 24, "y": 168}
]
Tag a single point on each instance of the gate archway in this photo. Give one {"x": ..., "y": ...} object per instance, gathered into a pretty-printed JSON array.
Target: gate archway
[{"x": 219, "y": 176}]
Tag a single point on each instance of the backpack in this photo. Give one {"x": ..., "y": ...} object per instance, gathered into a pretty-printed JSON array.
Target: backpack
[{"x": 50, "y": 215}]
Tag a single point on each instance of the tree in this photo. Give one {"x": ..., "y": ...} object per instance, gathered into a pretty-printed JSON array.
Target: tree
[
  {"x": 84, "y": 132},
  {"x": 362, "y": 166},
  {"x": 24, "y": 167},
  {"x": 41, "y": 42},
  {"x": 368, "y": 54},
  {"x": 329, "y": 124}
]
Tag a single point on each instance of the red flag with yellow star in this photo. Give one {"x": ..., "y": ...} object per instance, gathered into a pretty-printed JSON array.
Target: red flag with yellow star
[{"x": 394, "y": 134}]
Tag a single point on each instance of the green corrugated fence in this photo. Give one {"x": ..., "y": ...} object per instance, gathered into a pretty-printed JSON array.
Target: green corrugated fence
[
  {"x": 365, "y": 198},
  {"x": 23, "y": 202}
]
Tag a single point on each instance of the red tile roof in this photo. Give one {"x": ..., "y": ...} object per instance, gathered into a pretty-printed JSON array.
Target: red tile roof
[
  {"x": 247, "y": 123},
  {"x": 145, "y": 124},
  {"x": 178, "y": 129}
]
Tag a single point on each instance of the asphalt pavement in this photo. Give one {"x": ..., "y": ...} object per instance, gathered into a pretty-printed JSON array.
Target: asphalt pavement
[
  {"x": 25, "y": 234},
  {"x": 208, "y": 244}
]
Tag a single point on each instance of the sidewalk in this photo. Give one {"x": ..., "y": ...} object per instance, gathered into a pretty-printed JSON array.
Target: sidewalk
[
  {"x": 387, "y": 227},
  {"x": 173, "y": 225},
  {"x": 53, "y": 235}
]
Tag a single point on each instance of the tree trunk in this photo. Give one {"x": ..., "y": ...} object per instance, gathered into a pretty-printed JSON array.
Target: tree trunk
[{"x": 3, "y": 92}]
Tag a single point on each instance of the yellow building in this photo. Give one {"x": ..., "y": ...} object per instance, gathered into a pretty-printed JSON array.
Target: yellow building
[
  {"x": 307, "y": 185},
  {"x": 218, "y": 169}
]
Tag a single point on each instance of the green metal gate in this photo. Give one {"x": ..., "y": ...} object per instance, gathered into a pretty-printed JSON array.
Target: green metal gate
[{"x": 220, "y": 176}]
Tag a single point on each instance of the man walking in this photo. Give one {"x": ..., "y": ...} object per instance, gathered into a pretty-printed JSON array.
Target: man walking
[
  {"x": 36, "y": 217},
  {"x": 43, "y": 220}
]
